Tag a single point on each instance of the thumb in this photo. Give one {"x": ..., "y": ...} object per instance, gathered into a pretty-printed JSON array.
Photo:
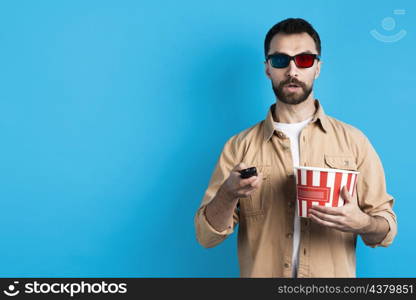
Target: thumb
[{"x": 346, "y": 195}]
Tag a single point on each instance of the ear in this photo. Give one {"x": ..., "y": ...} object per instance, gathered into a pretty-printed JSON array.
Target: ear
[
  {"x": 318, "y": 69},
  {"x": 267, "y": 70}
]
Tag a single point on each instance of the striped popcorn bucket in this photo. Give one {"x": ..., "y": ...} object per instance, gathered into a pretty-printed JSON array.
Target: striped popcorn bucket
[{"x": 321, "y": 186}]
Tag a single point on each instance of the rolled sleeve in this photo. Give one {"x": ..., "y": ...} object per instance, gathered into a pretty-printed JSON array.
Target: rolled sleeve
[
  {"x": 207, "y": 235},
  {"x": 391, "y": 220},
  {"x": 372, "y": 194}
]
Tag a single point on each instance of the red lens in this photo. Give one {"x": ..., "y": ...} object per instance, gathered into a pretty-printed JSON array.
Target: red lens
[{"x": 304, "y": 60}]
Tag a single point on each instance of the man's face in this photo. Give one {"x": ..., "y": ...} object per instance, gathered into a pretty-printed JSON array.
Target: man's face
[{"x": 292, "y": 85}]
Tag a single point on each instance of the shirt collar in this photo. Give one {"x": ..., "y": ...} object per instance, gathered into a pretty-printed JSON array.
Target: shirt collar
[{"x": 318, "y": 116}]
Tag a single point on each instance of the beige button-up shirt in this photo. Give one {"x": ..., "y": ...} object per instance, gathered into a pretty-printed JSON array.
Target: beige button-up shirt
[{"x": 266, "y": 218}]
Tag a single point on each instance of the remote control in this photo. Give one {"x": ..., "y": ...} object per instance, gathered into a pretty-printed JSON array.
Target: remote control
[{"x": 249, "y": 172}]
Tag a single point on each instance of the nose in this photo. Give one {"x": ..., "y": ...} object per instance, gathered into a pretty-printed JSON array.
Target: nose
[{"x": 292, "y": 69}]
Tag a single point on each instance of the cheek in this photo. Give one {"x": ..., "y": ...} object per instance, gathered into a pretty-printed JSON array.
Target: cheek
[
  {"x": 276, "y": 75},
  {"x": 309, "y": 77},
  {"x": 314, "y": 72}
]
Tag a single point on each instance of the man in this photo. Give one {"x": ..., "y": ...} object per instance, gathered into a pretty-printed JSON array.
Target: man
[{"x": 272, "y": 240}]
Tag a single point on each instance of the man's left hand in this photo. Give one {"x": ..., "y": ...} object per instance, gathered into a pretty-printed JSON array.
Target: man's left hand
[{"x": 349, "y": 218}]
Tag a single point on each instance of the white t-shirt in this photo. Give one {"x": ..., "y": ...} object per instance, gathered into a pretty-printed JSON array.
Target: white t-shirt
[{"x": 292, "y": 131}]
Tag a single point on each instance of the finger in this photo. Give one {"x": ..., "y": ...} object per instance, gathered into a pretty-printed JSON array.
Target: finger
[
  {"x": 336, "y": 211},
  {"x": 256, "y": 183},
  {"x": 325, "y": 223},
  {"x": 253, "y": 185},
  {"x": 326, "y": 217},
  {"x": 245, "y": 192},
  {"x": 248, "y": 181},
  {"x": 346, "y": 195}
]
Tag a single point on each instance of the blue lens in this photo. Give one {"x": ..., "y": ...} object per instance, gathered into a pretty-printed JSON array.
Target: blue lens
[{"x": 279, "y": 60}]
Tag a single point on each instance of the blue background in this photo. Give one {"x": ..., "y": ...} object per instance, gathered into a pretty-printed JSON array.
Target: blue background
[{"x": 113, "y": 114}]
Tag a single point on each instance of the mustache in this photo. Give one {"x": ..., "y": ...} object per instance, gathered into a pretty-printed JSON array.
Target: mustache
[{"x": 292, "y": 80}]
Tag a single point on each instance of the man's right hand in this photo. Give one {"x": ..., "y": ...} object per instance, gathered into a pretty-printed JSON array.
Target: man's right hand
[
  {"x": 236, "y": 187},
  {"x": 219, "y": 211}
]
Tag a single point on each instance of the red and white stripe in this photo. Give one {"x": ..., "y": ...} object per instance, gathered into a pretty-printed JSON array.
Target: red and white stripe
[{"x": 333, "y": 180}]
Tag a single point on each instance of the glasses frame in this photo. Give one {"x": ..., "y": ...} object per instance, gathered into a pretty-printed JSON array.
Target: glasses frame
[{"x": 316, "y": 57}]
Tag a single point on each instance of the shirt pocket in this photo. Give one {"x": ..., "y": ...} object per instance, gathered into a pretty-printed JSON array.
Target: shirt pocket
[
  {"x": 342, "y": 162},
  {"x": 255, "y": 203}
]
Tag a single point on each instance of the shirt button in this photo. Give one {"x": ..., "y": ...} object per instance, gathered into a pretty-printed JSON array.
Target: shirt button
[
  {"x": 286, "y": 265},
  {"x": 280, "y": 134},
  {"x": 289, "y": 235}
]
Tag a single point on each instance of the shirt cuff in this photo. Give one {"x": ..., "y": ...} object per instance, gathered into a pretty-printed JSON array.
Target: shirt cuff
[
  {"x": 388, "y": 239},
  {"x": 207, "y": 235}
]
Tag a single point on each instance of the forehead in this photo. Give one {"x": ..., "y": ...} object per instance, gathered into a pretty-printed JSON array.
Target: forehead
[{"x": 292, "y": 43}]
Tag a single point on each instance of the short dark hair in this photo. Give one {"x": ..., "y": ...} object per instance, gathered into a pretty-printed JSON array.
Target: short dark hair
[{"x": 292, "y": 26}]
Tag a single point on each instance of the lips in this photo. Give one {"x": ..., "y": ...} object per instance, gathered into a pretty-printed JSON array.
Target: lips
[{"x": 292, "y": 87}]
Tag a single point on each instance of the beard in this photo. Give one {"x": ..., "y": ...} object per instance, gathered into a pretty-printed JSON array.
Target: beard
[{"x": 292, "y": 98}]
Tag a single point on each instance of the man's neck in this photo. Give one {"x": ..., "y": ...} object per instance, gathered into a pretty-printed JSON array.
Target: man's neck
[{"x": 287, "y": 113}]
